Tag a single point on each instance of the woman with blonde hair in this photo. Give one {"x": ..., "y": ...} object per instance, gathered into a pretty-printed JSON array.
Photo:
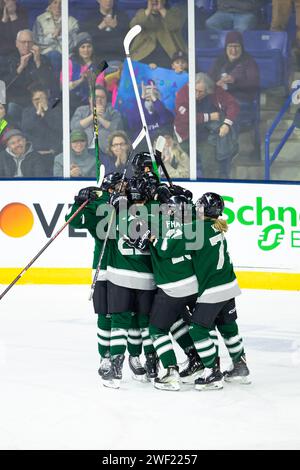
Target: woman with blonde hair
[
  {"x": 47, "y": 32},
  {"x": 215, "y": 304}
]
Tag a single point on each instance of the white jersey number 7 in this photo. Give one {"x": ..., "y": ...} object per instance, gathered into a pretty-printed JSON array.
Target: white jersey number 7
[{"x": 213, "y": 241}]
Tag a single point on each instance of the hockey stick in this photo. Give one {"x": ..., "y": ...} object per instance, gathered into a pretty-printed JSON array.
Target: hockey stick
[
  {"x": 101, "y": 176},
  {"x": 132, "y": 33},
  {"x": 92, "y": 84},
  {"x": 42, "y": 250},
  {"x": 160, "y": 143},
  {"x": 134, "y": 145}
]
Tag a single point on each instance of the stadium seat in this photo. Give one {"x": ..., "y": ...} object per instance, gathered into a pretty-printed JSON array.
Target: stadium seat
[
  {"x": 209, "y": 45},
  {"x": 34, "y": 8},
  {"x": 82, "y": 10},
  {"x": 271, "y": 50}
]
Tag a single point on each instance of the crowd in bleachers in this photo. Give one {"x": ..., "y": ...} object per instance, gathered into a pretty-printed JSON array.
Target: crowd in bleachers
[{"x": 242, "y": 47}]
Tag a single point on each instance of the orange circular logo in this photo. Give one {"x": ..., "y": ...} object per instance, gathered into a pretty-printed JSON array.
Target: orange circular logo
[{"x": 16, "y": 220}]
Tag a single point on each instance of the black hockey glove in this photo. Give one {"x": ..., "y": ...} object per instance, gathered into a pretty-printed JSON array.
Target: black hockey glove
[
  {"x": 118, "y": 201},
  {"x": 163, "y": 193},
  {"x": 139, "y": 235},
  {"x": 179, "y": 190},
  {"x": 87, "y": 194},
  {"x": 151, "y": 183}
]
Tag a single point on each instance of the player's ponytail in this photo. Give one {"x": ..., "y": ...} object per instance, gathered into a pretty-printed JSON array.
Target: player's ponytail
[{"x": 220, "y": 225}]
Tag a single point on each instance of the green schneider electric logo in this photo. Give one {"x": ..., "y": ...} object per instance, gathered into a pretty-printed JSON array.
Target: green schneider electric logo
[{"x": 277, "y": 223}]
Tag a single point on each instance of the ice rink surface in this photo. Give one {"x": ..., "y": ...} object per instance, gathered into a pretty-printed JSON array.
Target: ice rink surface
[{"x": 51, "y": 396}]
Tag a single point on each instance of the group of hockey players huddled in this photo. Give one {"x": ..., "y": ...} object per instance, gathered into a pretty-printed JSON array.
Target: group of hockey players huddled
[{"x": 155, "y": 285}]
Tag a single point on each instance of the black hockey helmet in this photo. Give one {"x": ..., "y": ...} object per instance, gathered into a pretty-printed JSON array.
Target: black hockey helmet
[
  {"x": 213, "y": 204},
  {"x": 178, "y": 205},
  {"x": 111, "y": 180},
  {"x": 136, "y": 190},
  {"x": 141, "y": 161}
]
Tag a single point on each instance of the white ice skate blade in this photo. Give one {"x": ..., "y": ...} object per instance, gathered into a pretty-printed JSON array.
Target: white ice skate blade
[
  {"x": 173, "y": 387},
  {"x": 111, "y": 383},
  {"x": 140, "y": 378},
  {"x": 245, "y": 380},
  {"x": 190, "y": 379},
  {"x": 212, "y": 386}
]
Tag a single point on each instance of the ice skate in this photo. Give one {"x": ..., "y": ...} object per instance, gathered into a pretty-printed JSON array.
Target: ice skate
[
  {"x": 138, "y": 371},
  {"x": 106, "y": 372},
  {"x": 239, "y": 372},
  {"x": 151, "y": 365},
  {"x": 170, "y": 381},
  {"x": 193, "y": 369},
  {"x": 211, "y": 379},
  {"x": 117, "y": 363},
  {"x": 105, "y": 364}
]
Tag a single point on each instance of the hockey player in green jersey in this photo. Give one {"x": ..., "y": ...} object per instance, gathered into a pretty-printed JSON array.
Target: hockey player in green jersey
[
  {"x": 215, "y": 304},
  {"x": 130, "y": 287},
  {"x": 88, "y": 219},
  {"x": 218, "y": 288},
  {"x": 177, "y": 291}
]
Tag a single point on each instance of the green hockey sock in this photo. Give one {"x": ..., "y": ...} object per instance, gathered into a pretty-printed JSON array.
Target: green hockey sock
[
  {"x": 120, "y": 324},
  {"x": 204, "y": 344},
  {"x": 103, "y": 333},
  {"x": 180, "y": 332},
  {"x": 134, "y": 340},
  {"x": 163, "y": 346},
  {"x": 232, "y": 339}
]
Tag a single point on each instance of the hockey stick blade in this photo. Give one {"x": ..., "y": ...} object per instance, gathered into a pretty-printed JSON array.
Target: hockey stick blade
[
  {"x": 160, "y": 143},
  {"x": 132, "y": 33},
  {"x": 139, "y": 138},
  {"x": 102, "y": 66}
]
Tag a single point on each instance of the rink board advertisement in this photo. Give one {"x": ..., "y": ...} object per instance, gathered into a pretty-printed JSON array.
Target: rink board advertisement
[{"x": 263, "y": 237}]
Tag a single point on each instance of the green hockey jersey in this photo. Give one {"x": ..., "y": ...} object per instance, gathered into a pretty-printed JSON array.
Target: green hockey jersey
[
  {"x": 211, "y": 263},
  {"x": 127, "y": 266},
  {"x": 213, "y": 267},
  {"x": 87, "y": 219},
  {"x": 173, "y": 273}
]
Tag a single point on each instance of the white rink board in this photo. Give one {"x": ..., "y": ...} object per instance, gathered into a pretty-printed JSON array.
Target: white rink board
[{"x": 255, "y": 208}]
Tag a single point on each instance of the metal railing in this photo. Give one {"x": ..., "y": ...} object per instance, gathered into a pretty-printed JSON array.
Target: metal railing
[{"x": 269, "y": 159}]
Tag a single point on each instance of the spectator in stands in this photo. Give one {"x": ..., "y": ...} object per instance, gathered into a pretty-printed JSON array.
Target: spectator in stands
[
  {"x": 281, "y": 11},
  {"x": 176, "y": 161},
  {"x": 82, "y": 65},
  {"x": 156, "y": 114},
  {"x": 161, "y": 34},
  {"x": 237, "y": 72},
  {"x": 179, "y": 62},
  {"x": 14, "y": 18},
  {"x": 109, "y": 119},
  {"x": 235, "y": 15},
  {"x": 217, "y": 112},
  {"x": 42, "y": 125},
  {"x": 19, "y": 159},
  {"x": 82, "y": 163},
  {"x": 119, "y": 147},
  {"x": 24, "y": 68},
  {"x": 5, "y": 125},
  {"x": 108, "y": 27},
  {"x": 47, "y": 33}
]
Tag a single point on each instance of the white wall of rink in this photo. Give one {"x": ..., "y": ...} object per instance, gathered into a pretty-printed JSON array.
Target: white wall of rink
[{"x": 264, "y": 230}]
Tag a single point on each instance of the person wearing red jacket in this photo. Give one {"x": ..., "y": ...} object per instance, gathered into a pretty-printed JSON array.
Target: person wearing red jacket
[{"x": 217, "y": 111}]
